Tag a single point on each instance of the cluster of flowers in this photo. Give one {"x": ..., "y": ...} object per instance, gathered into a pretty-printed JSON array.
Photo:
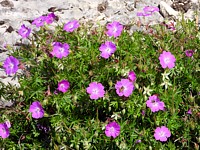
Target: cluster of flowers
[{"x": 124, "y": 87}]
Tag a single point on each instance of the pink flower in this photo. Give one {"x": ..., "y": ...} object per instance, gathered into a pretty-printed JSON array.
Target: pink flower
[
  {"x": 112, "y": 129},
  {"x": 107, "y": 49},
  {"x": 60, "y": 50},
  {"x": 63, "y": 86},
  {"x": 189, "y": 111},
  {"x": 39, "y": 21},
  {"x": 162, "y": 133},
  {"x": 150, "y": 9},
  {"x": 132, "y": 76},
  {"x": 4, "y": 131},
  {"x": 50, "y": 18},
  {"x": 155, "y": 104},
  {"x": 114, "y": 29},
  {"x": 189, "y": 53},
  {"x": 11, "y": 65},
  {"x": 124, "y": 87},
  {"x": 24, "y": 31},
  {"x": 71, "y": 26},
  {"x": 167, "y": 60},
  {"x": 96, "y": 90},
  {"x": 36, "y": 110}
]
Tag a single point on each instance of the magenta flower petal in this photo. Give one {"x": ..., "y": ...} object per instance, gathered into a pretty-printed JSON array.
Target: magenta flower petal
[
  {"x": 132, "y": 76},
  {"x": 96, "y": 90},
  {"x": 167, "y": 60},
  {"x": 140, "y": 14},
  {"x": 50, "y": 18},
  {"x": 107, "y": 49},
  {"x": 11, "y": 65},
  {"x": 114, "y": 29},
  {"x": 39, "y": 21},
  {"x": 189, "y": 111},
  {"x": 112, "y": 129},
  {"x": 63, "y": 86},
  {"x": 71, "y": 26},
  {"x": 162, "y": 133},
  {"x": 7, "y": 122},
  {"x": 4, "y": 131},
  {"x": 60, "y": 50},
  {"x": 150, "y": 9},
  {"x": 36, "y": 110},
  {"x": 189, "y": 53},
  {"x": 24, "y": 31},
  {"x": 155, "y": 104},
  {"x": 124, "y": 87}
]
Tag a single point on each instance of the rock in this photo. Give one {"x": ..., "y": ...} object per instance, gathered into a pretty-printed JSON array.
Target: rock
[
  {"x": 166, "y": 10},
  {"x": 176, "y": 8},
  {"x": 7, "y": 3}
]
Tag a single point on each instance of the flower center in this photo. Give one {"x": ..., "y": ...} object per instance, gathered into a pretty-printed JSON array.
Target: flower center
[
  {"x": 162, "y": 134},
  {"x": 112, "y": 129},
  {"x": 37, "y": 110},
  {"x": 166, "y": 60},
  {"x": 154, "y": 103},
  {"x": 71, "y": 26},
  {"x": 61, "y": 50},
  {"x": 122, "y": 89},
  {"x": 25, "y": 31},
  {"x": 11, "y": 65},
  {"x": 108, "y": 49},
  {"x": 62, "y": 85},
  {"x": 95, "y": 91},
  {"x": 3, "y": 130},
  {"x": 114, "y": 29}
]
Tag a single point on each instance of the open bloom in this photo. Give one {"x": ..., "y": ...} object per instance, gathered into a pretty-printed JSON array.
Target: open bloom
[
  {"x": 11, "y": 65},
  {"x": 107, "y": 49},
  {"x": 124, "y": 87},
  {"x": 63, "y": 86},
  {"x": 189, "y": 53},
  {"x": 4, "y": 131},
  {"x": 36, "y": 110},
  {"x": 114, "y": 29},
  {"x": 60, "y": 50},
  {"x": 162, "y": 133},
  {"x": 24, "y": 31},
  {"x": 148, "y": 10},
  {"x": 167, "y": 60},
  {"x": 39, "y": 21},
  {"x": 132, "y": 76},
  {"x": 50, "y": 18},
  {"x": 71, "y": 26},
  {"x": 112, "y": 129},
  {"x": 96, "y": 90},
  {"x": 155, "y": 104}
]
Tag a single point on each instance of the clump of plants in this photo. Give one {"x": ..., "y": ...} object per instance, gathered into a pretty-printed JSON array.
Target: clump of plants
[{"x": 84, "y": 87}]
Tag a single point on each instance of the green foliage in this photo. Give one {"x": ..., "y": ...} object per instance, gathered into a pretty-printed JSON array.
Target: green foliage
[{"x": 75, "y": 121}]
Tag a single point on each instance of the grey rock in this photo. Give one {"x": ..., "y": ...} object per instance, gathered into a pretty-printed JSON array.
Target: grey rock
[{"x": 7, "y": 3}]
